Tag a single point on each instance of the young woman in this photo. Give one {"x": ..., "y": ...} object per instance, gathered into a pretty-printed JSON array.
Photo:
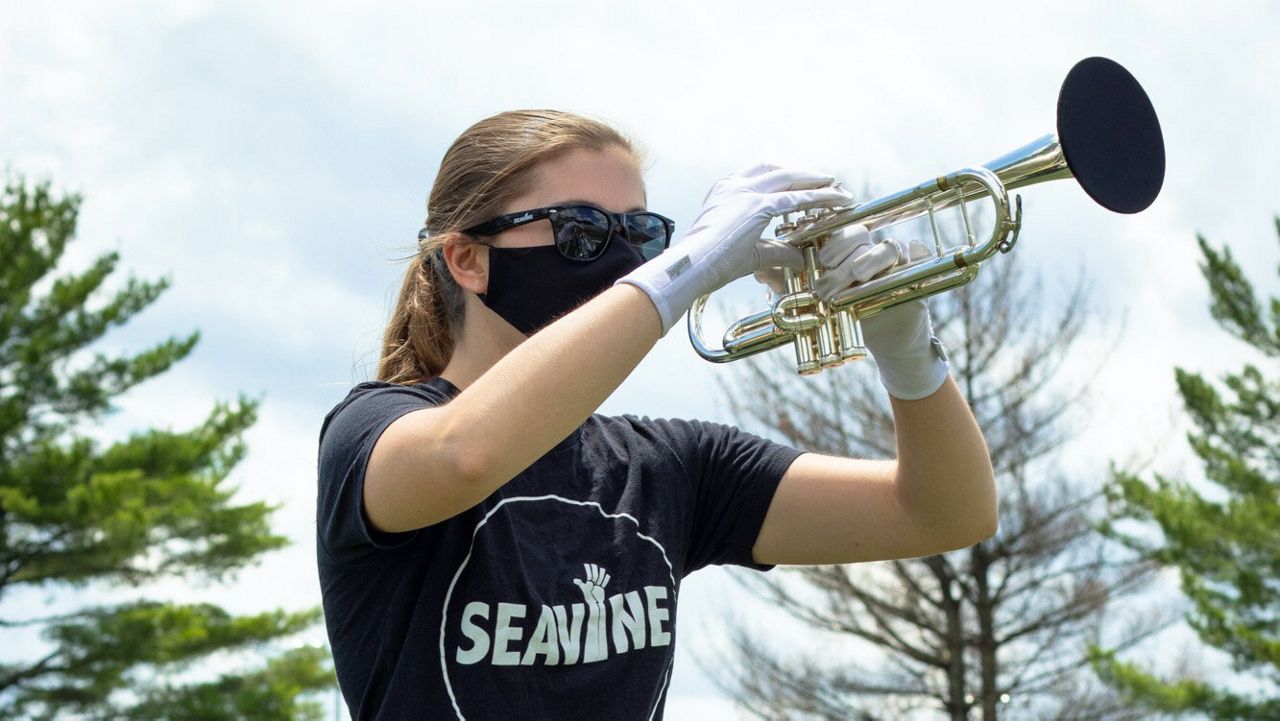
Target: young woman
[{"x": 491, "y": 548}]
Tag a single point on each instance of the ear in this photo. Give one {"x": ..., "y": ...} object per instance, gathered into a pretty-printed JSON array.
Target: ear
[{"x": 468, "y": 261}]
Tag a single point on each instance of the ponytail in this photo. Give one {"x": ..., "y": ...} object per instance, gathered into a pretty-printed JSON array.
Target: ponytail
[{"x": 419, "y": 339}]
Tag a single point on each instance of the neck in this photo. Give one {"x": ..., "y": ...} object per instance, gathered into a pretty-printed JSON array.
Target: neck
[{"x": 485, "y": 339}]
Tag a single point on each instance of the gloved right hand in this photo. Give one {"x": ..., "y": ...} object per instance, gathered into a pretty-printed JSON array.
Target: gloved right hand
[
  {"x": 725, "y": 244},
  {"x": 912, "y": 362}
]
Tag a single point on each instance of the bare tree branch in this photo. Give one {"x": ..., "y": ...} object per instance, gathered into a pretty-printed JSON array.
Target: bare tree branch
[{"x": 1001, "y": 625}]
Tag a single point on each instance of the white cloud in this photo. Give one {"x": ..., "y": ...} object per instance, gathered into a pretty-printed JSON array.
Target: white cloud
[{"x": 273, "y": 162}]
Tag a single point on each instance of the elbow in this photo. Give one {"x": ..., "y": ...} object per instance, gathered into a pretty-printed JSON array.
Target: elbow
[
  {"x": 465, "y": 460},
  {"x": 988, "y": 531},
  {"x": 467, "y": 464},
  {"x": 993, "y": 506},
  {"x": 979, "y": 530},
  {"x": 976, "y": 533},
  {"x": 988, "y": 516},
  {"x": 974, "y": 515},
  {"x": 979, "y": 477}
]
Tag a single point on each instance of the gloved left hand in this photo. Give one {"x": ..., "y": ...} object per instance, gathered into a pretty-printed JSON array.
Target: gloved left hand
[
  {"x": 724, "y": 242},
  {"x": 912, "y": 362}
]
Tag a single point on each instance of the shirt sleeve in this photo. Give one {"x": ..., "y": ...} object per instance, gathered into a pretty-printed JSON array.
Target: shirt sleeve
[
  {"x": 346, "y": 442},
  {"x": 735, "y": 476}
]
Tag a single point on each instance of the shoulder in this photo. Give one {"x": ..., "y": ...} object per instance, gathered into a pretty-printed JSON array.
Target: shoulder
[
  {"x": 667, "y": 431},
  {"x": 369, "y": 407},
  {"x": 675, "y": 431},
  {"x": 687, "y": 439},
  {"x": 702, "y": 445}
]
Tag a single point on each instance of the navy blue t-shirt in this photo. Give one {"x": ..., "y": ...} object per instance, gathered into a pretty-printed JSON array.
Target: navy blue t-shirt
[{"x": 555, "y": 597}]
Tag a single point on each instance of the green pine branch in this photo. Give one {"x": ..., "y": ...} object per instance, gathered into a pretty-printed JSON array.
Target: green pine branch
[
  {"x": 106, "y": 650},
  {"x": 75, "y": 515},
  {"x": 274, "y": 692},
  {"x": 155, "y": 505},
  {"x": 1227, "y": 551}
]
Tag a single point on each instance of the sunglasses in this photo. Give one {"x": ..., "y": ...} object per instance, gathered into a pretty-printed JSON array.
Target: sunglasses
[{"x": 582, "y": 232}]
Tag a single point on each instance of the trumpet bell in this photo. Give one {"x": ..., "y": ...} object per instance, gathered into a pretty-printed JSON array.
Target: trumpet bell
[{"x": 1110, "y": 135}]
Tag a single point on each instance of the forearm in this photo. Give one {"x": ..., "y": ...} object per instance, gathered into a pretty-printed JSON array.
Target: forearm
[
  {"x": 944, "y": 475},
  {"x": 547, "y": 386}
]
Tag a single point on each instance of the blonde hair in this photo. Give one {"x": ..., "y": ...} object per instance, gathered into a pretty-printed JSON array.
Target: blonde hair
[{"x": 490, "y": 163}]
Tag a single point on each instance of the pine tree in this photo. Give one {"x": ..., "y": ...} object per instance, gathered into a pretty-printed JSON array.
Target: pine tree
[
  {"x": 153, "y": 506},
  {"x": 1227, "y": 550}
]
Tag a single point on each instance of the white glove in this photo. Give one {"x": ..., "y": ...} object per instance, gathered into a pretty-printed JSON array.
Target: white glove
[
  {"x": 912, "y": 362},
  {"x": 724, "y": 242}
]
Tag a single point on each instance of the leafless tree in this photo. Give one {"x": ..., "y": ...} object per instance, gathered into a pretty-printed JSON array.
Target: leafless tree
[{"x": 998, "y": 628}]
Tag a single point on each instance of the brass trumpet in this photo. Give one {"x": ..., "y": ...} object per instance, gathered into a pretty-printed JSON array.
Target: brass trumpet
[{"x": 1108, "y": 138}]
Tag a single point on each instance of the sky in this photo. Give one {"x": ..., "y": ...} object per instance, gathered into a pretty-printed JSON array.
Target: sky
[{"x": 274, "y": 162}]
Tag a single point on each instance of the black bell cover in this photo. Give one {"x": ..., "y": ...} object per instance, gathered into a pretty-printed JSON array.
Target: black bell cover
[{"x": 1110, "y": 135}]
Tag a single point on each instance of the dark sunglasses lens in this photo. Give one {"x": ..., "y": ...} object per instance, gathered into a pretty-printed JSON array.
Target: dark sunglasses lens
[
  {"x": 581, "y": 233},
  {"x": 648, "y": 233}
]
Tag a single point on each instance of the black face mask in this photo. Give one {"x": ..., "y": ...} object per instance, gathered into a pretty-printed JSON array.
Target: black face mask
[{"x": 531, "y": 287}]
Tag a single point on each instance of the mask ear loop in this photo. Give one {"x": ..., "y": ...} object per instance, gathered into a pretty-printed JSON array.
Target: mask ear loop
[
  {"x": 422, "y": 245},
  {"x": 434, "y": 259}
]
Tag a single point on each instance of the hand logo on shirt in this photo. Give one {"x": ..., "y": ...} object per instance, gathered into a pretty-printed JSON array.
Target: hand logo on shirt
[
  {"x": 597, "y": 642},
  {"x": 593, "y": 588}
]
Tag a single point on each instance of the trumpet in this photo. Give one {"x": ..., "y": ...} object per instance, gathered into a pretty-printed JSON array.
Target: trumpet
[{"x": 1108, "y": 139}]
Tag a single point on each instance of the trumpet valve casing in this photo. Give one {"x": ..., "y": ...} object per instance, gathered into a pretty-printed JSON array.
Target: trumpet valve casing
[{"x": 824, "y": 337}]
